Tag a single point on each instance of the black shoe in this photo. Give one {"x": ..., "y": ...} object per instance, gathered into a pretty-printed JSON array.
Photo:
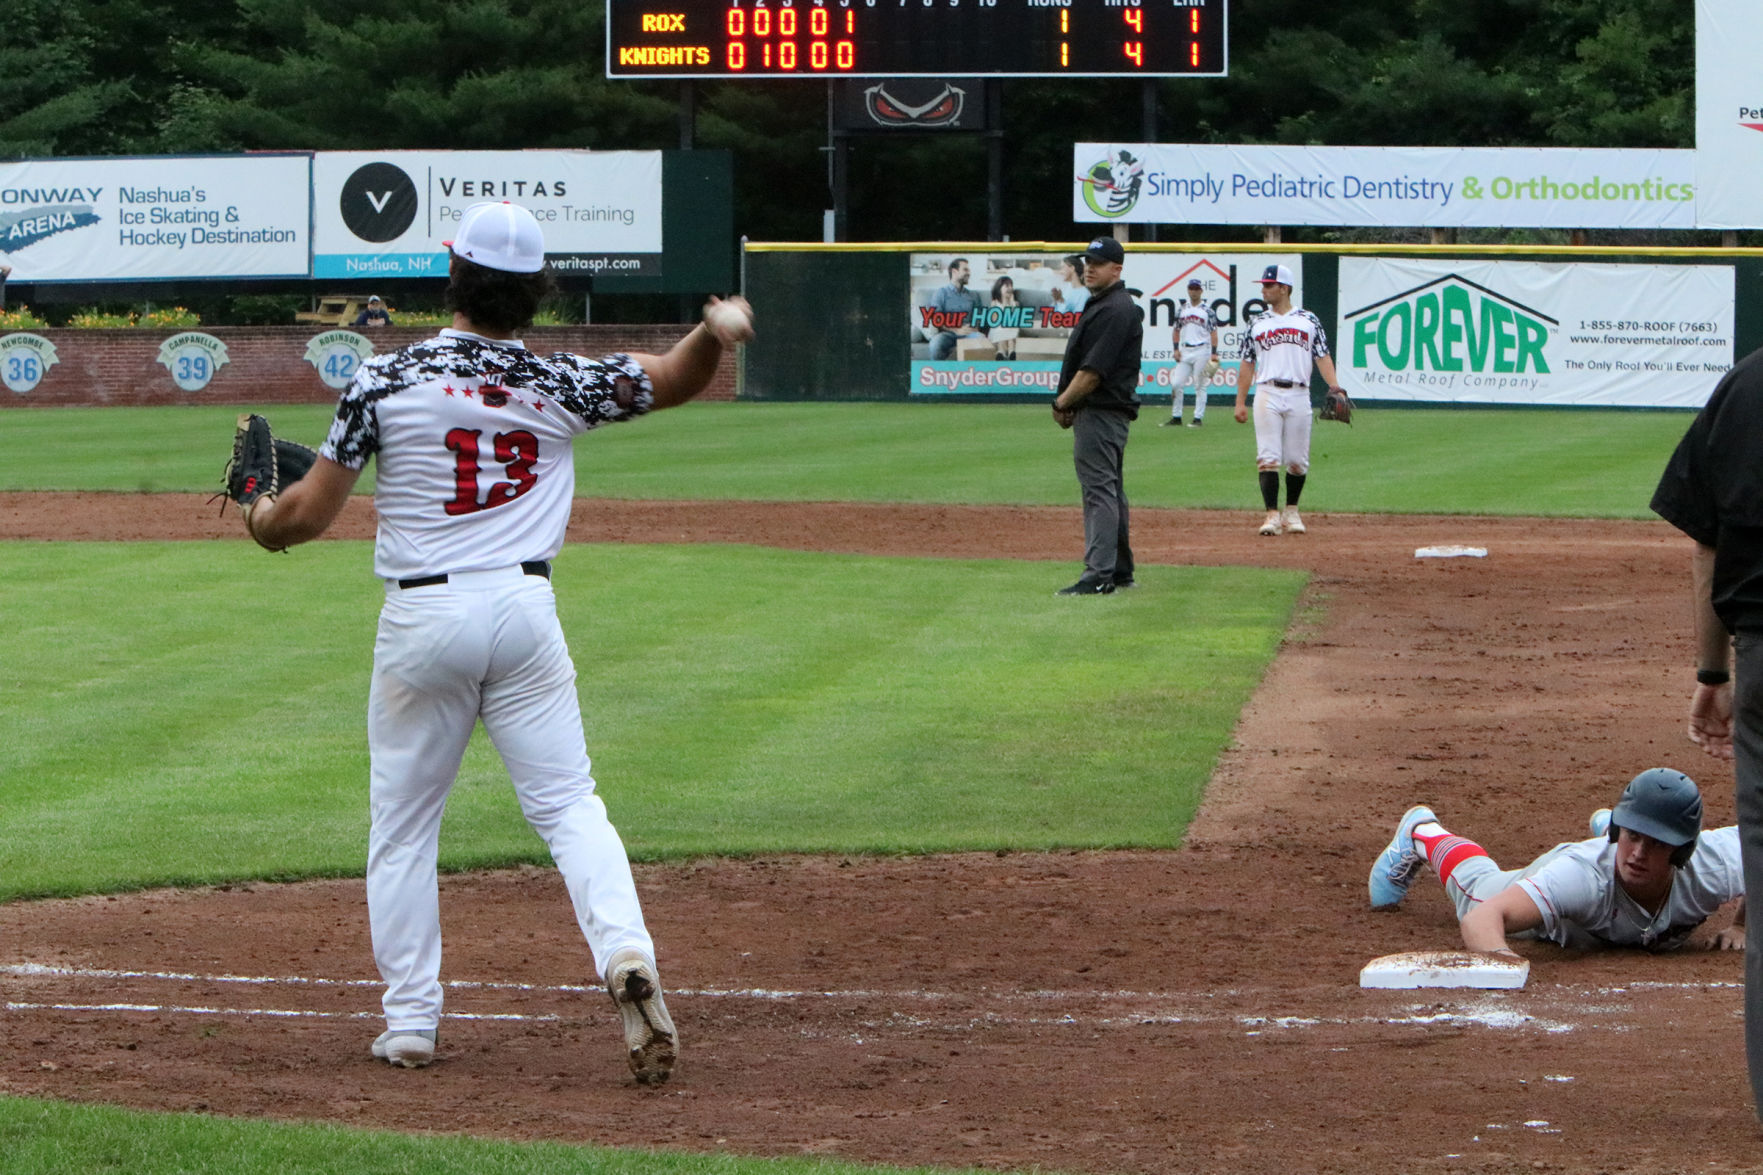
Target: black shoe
[
  {"x": 1172, "y": 422},
  {"x": 1087, "y": 587},
  {"x": 1127, "y": 584},
  {"x": 1197, "y": 422}
]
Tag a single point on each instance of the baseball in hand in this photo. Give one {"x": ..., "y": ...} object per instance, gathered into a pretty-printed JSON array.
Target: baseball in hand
[{"x": 731, "y": 321}]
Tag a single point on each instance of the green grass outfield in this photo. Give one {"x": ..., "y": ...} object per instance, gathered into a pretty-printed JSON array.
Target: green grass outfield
[{"x": 1407, "y": 461}]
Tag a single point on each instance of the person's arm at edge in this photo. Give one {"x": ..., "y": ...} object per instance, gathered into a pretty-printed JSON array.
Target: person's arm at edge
[
  {"x": 1733, "y": 937},
  {"x": 1081, "y": 385},
  {"x": 1511, "y": 910},
  {"x": 1245, "y": 381},
  {"x": 690, "y": 365},
  {"x": 304, "y": 510},
  {"x": 1325, "y": 366},
  {"x": 1710, "y": 719}
]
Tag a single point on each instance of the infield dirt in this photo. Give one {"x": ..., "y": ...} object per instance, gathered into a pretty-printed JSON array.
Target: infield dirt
[{"x": 1184, "y": 1011}]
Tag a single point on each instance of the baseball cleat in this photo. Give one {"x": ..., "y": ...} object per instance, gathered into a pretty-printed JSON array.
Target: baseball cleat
[
  {"x": 1293, "y": 524},
  {"x": 648, "y": 1029},
  {"x": 1600, "y": 823},
  {"x": 1087, "y": 587},
  {"x": 1272, "y": 525},
  {"x": 1196, "y": 422},
  {"x": 410, "y": 1048},
  {"x": 1395, "y": 867},
  {"x": 1172, "y": 422}
]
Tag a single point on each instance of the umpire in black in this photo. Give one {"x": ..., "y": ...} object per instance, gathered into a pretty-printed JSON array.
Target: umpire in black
[
  {"x": 1712, "y": 490},
  {"x": 1098, "y": 400}
]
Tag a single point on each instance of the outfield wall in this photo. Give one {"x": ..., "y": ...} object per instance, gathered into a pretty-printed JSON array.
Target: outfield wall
[
  {"x": 1551, "y": 326},
  {"x": 253, "y": 365}
]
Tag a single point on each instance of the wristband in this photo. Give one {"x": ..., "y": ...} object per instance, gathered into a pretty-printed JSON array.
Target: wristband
[{"x": 1712, "y": 677}]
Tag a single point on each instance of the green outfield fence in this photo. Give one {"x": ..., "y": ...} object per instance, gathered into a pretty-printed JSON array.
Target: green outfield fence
[{"x": 834, "y": 316}]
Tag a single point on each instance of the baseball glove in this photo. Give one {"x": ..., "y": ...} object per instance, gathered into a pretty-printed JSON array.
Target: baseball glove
[
  {"x": 1212, "y": 365},
  {"x": 261, "y": 466},
  {"x": 1337, "y": 405}
]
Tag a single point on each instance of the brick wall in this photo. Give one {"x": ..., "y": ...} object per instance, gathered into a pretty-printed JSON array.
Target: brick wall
[{"x": 266, "y": 364}]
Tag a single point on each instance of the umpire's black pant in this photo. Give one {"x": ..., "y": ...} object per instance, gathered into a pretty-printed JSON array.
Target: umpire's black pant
[
  {"x": 1098, "y": 449},
  {"x": 1747, "y": 748}
]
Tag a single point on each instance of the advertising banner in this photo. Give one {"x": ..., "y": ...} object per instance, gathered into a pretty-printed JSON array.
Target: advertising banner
[
  {"x": 387, "y": 213},
  {"x": 1438, "y": 187},
  {"x": 997, "y": 323},
  {"x": 1510, "y": 332},
  {"x": 155, "y": 218},
  {"x": 1729, "y": 114}
]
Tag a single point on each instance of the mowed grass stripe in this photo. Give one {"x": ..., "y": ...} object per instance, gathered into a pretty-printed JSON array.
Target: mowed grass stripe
[
  {"x": 194, "y": 712},
  {"x": 1457, "y": 461}
]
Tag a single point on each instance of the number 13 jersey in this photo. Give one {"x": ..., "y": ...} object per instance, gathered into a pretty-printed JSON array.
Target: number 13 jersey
[{"x": 473, "y": 439}]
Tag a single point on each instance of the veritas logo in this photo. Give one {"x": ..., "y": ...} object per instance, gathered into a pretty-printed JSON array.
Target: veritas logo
[
  {"x": 378, "y": 202},
  {"x": 1451, "y": 324}
]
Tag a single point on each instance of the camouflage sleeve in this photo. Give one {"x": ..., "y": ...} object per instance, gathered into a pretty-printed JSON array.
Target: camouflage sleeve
[
  {"x": 1319, "y": 343},
  {"x": 355, "y": 430},
  {"x": 605, "y": 390}
]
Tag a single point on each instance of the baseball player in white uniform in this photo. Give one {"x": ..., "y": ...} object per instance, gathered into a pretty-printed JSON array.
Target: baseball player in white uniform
[
  {"x": 1196, "y": 348},
  {"x": 1647, "y": 877},
  {"x": 1278, "y": 349},
  {"x": 473, "y": 435}
]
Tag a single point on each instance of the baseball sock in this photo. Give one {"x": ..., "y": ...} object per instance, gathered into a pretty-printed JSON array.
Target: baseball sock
[
  {"x": 1270, "y": 488},
  {"x": 1294, "y": 487},
  {"x": 1445, "y": 852}
]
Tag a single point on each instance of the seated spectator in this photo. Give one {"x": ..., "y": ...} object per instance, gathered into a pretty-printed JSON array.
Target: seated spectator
[{"x": 375, "y": 314}]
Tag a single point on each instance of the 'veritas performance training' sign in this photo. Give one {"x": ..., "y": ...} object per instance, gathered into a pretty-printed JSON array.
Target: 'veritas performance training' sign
[
  {"x": 1506, "y": 332},
  {"x": 1439, "y": 187},
  {"x": 387, "y": 213},
  {"x": 146, "y": 219}
]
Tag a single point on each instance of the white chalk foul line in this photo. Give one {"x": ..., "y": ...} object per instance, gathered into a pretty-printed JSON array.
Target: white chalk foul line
[{"x": 1495, "y": 1013}]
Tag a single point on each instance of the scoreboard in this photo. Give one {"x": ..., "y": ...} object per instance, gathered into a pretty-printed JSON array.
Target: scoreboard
[{"x": 914, "y": 38}]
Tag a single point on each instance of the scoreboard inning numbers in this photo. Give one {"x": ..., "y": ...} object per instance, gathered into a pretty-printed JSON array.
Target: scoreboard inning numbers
[{"x": 908, "y": 38}]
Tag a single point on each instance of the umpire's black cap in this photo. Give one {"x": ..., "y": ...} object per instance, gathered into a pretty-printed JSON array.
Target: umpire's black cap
[{"x": 1105, "y": 249}]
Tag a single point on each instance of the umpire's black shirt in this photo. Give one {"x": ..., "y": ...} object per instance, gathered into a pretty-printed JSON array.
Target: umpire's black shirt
[
  {"x": 1107, "y": 341},
  {"x": 1712, "y": 490}
]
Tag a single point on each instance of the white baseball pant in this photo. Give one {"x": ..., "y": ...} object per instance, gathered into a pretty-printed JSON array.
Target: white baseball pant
[
  {"x": 1190, "y": 369},
  {"x": 1282, "y": 427},
  {"x": 486, "y": 644}
]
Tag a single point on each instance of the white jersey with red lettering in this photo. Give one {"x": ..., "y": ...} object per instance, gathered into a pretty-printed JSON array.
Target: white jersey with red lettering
[
  {"x": 473, "y": 437},
  {"x": 1283, "y": 346},
  {"x": 1194, "y": 324}
]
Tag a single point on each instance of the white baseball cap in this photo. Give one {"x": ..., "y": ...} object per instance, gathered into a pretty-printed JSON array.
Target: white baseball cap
[{"x": 501, "y": 236}]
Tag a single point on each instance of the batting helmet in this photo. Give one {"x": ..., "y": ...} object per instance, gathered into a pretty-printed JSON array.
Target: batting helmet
[{"x": 1665, "y": 805}]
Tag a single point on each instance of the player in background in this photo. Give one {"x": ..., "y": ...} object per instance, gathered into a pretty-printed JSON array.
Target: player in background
[
  {"x": 1278, "y": 349},
  {"x": 1647, "y": 877},
  {"x": 1196, "y": 342},
  {"x": 473, "y": 437}
]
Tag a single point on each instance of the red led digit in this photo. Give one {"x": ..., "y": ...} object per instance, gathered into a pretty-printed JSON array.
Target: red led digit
[
  {"x": 1064, "y": 21},
  {"x": 1194, "y": 54},
  {"x": 1194, "y": 20},
  {"x": 818, "y": 22},
  {"x": 845, "y": 55},
  {"x": 737, "y": 55},
  {"x": 762, "y": 22},
  {"x": 786, "y": 23},
  {"x": 1136, "y": 19},
  {"x": 850, "y": 21},
  {"x": 1136, "y": 52},
  {"x": 737, "y": 22},
  {"x": 817, "y": 54},
  {"x": 786, "y": 55}
]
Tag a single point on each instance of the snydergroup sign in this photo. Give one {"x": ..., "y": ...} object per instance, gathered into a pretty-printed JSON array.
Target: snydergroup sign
[
  {"x": 387, "y": 213},
  {"x": 129, "y": 219},
  {"x": 1506, "y": 332},
  {"x": 1439, "y": 187}
]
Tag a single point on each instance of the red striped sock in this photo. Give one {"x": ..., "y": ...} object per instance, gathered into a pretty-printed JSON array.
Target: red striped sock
[{"x": 1444, "y": 852}]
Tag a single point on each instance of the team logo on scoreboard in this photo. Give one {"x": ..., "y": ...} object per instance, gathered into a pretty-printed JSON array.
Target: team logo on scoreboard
[
  {"x": 192, "y": 358},
  {"x": 24, "y": 360},
  {"x": 894, "y": 109},
  {"x": 1112, "y": 185}
]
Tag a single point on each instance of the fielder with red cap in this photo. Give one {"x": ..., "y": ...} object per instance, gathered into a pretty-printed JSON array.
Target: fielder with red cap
[{"x": 473, "y": 434}]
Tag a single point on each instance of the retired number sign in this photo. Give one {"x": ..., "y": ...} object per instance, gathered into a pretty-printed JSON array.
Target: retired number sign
[{"x": 914, "y": 38}]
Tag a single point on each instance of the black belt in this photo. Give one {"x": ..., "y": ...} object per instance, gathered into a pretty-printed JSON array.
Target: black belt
[
  {"x": 1285, "y": 383},
  {"x": 539, "y": 568}
]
